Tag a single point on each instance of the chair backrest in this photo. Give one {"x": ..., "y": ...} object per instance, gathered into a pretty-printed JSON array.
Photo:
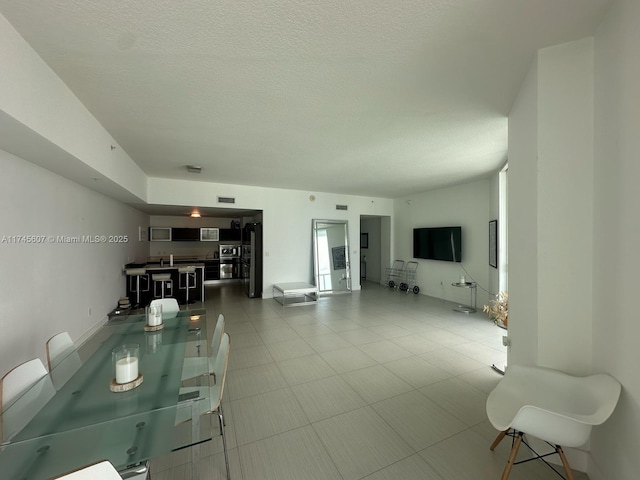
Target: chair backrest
[
  {"x": 63, "y": 359},
  {"x": 18, "y": 380},
  {"x": 25, "y": 390},
  {"x": 58, "y": 347},
  {"x": 220, "y": 369},
  {"x": 169, "y": 305},
  {"x": 217, "y": 336},
  {"x": 98, "y": 471}
]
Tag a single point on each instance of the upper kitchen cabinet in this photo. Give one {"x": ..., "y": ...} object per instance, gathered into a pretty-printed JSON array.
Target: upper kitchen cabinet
[
  {"x": 160, "y": 234},
  {"x": 209, "y": 234},
  {"x": 229, "y": 234},
  {"x": 185, "y": 234}
]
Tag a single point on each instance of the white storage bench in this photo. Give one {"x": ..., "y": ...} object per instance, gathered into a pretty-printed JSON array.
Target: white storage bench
[{"x": 295, "y": 294}]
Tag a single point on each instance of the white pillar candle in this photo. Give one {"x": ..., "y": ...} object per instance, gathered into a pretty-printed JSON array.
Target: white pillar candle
[
  {"x": 126, "y": 370},
  {"x": 154, "y": 315},
  {"x": 155, "y": 318},
  {"x": 462, "y": 279}
]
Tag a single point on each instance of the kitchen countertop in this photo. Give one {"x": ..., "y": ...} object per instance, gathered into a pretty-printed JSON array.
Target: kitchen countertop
[{"x": 166, "y": 266}]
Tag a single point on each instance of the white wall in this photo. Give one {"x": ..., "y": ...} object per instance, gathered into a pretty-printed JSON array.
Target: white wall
[
  {"x": 51, "y": 286},
  {"x": 565, "y": 206},
  {"x": 466, "y": 205},
  {"x": 286, "y": 219},
  {"x": 34, "y": 97},
  {"x": 523, "y": 223},
  {"x": 616, "y": 235},
  {"x": 550, "y": 211}
]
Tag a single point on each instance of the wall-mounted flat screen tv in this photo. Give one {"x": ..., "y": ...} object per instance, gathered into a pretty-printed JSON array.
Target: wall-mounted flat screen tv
[{"x": 438, "y": 243}]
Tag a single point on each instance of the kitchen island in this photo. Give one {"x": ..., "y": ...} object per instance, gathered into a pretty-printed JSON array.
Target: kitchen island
[{"x": 145, "y": 282}]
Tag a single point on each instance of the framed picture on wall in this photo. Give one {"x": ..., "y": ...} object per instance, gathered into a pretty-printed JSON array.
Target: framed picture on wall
[
  {"x": 339, "y": 258},
  {"x": 364, "y": 240},
  {"x": 493, "y": 243}
]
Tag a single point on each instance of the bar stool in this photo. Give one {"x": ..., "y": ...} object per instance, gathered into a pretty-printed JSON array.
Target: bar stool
[
  {"x": 164, "y": 280},
  {"x": 189, "y": 276},
  {"x": 137, "y": 274}
]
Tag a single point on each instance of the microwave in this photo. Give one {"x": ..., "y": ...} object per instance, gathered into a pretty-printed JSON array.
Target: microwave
[{"x": 229, "y": 251}]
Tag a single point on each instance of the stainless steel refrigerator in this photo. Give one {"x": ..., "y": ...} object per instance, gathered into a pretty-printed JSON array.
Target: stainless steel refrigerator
[{"x": 252, "y": 260}]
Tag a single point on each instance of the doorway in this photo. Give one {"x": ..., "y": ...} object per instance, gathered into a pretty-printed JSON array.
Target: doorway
[{"x": 375, "y": 248}]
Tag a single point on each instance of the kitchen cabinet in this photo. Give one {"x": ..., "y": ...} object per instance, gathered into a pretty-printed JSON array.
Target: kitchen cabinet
[
  {"x": 185, "y": 234},
  {"x": 160, "y": 234},
  {"x": 209, "y": 234},
  {"x": 229, "y": 234},
  {"x": 211, "y": 270}
]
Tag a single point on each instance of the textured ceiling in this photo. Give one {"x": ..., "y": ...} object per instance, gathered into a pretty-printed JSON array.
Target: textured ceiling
[{"x": 370, "y": 97}]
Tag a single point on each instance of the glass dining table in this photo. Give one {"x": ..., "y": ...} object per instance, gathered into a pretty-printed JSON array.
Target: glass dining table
[{"x": 71, "y": 417}]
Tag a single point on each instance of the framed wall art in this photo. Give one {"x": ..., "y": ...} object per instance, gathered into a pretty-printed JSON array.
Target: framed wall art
[{"x": 364, "y": 240}]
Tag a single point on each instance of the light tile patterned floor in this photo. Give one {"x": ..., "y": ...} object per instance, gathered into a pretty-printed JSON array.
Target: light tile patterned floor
[{"x": 373, "y": 385}]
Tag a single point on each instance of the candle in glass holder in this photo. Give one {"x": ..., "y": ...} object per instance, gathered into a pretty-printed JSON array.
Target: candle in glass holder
[
  {"x": 125, "y": 363},
  {"x": 154, "y": 315}
]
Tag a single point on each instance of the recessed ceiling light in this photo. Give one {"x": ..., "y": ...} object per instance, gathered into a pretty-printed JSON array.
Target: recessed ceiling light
[{"x": 195, "y": 214}]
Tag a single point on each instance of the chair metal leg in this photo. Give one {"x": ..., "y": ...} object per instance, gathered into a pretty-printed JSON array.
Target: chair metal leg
[
  {"x": 498, "y": 439},
  {"x": 565, "y": 463},
  {"x": 224, "y": 443},
  {"x": 512, "y": 456},
  {"x": 137, "y": 290}
]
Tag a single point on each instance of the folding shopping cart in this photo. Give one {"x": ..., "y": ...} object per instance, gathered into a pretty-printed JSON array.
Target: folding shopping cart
[
  {"x": 408, "y": 283},
  {"x": 394, "y": 274}
]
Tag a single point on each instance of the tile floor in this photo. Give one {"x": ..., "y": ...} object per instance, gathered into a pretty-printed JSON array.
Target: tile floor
[{"x": 373, "y": 385}]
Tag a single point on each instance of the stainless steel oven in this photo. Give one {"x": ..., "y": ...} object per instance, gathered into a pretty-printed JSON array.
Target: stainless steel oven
[
  {"x": 228, "y": 269},
  {"x": 229, "y": 261}
]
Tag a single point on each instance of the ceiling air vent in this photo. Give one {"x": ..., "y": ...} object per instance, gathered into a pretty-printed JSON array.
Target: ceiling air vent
[
  {"x": 226, "y": 200},
  {"x": 194, "y": 169},
  {"x": 341, "y": 207}
]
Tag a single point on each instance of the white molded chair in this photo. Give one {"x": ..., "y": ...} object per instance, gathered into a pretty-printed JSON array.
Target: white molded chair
[
  {"x": 98, "y": 471},
  {"x": 58, "y": 347},
  {"x": 215, "y": 396},
  {"x": 194, "y": 366},
  {"x": 170, "y": 306},
  {"x": 24, "y": 391},
  {"x": 62, "y": 358},
  {"x": 18, "y": 380},
  {"x": 558, "y": 408}
]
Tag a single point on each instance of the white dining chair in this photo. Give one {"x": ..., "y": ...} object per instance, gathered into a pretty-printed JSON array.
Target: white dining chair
[
  {"x": 553, "y": 406},
  {"x": 20, "y": 379},
  {"x": 103, "y": 470},
  {"x": 214, "y": 406},
  {"x": 24, "y": 391},
  {"x": 58, "y": 347},
  {"x": 195, "y": 366},
  {"x": 170, "y": 306},
  {"x": 63, "y": 358}
]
